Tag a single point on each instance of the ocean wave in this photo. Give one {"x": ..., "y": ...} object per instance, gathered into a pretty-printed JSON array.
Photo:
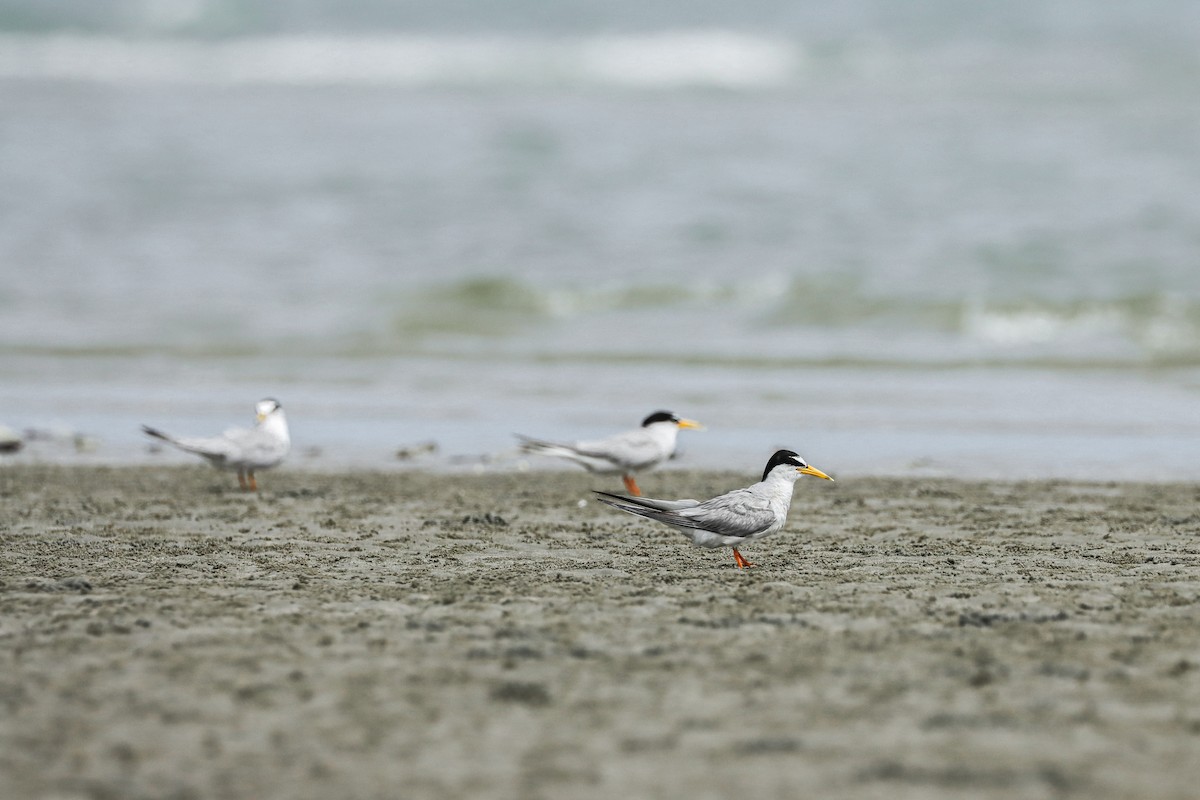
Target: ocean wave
[
  {"x": 492, "y": 303},
  {"x": 682, "y": 59},
  {"x": 685, "y": 59},
  {"x": 780, "y": 321},
  {"x": 1150, "y": 328},
  {"x": 1164, "y": 328}
]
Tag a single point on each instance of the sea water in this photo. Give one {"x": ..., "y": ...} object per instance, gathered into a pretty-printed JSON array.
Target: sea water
[{"x": 921, "y": 238}]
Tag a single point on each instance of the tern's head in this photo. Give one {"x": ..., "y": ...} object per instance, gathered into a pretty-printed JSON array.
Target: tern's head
[
  {"x": 667, "y": 416},
  {"x": 789, "y": 465},
  {"x": 266, "y": 407}
]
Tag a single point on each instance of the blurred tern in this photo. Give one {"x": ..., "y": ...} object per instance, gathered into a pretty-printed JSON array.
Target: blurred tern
[
  {"x": 241, "y": 449},
  {"x": 622, "y": 454},
  {"x": 730, "y": 519}
]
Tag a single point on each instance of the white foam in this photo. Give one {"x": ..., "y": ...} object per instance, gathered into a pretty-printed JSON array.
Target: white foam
[
  {"x": 702, "y": 59},
  {"x": 1042, "y": 325}
]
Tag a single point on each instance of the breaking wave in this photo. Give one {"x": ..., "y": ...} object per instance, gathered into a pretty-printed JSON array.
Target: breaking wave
[
  {"x": 683, "y": 59},
  {"x": 1143, "y": 329},
  {"x": 784, "y": 321}
]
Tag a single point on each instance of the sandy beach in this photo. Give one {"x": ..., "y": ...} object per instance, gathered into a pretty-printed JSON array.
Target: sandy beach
[{"x": 417, "y": 635}]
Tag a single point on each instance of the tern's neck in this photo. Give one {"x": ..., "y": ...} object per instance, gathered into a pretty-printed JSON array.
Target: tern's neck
[
  {"x": 665, "y": 432},
  {"x": 780, "y": 484},
  {"x": 276, "y": 425}
]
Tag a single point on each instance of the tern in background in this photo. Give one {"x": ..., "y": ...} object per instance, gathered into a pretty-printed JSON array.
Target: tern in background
[
  {"x": 241, "y": 449},
  {"x": 731, "y": 519},
  {"x": 622, "y": 454}
]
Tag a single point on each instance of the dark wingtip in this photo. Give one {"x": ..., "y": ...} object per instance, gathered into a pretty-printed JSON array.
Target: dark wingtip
[
  {"x": 157, "y": 434},
  {"x": 618, "y": 501},
  {"x": 528, "y": 444}
]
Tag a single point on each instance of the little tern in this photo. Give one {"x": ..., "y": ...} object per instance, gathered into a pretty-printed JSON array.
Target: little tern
[
  {"x": 622, "y": 454},
  {"x": 241, "y": 449},
  {"x": 731, "y": 519}
]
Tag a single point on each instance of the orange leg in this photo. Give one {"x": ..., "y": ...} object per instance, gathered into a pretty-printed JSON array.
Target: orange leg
[
  {"x": 242, "y": 479},
  {"x": 631, "y": 485},
  {"x": 740, "y": 559},
  {"x": 253, "y": 483}
]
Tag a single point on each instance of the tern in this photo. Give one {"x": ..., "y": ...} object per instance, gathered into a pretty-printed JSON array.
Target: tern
[
  {"x": 731, "y": 519},
  {"x": 241, "y": 449},
  {"x": 622, "y": 454}
]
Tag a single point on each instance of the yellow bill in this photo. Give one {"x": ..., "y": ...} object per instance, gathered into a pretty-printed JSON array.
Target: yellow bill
[{"x": 814, "y": 472}]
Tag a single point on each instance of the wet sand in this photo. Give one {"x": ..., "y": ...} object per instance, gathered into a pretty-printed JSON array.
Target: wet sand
[{"x": 430, "y": 636}]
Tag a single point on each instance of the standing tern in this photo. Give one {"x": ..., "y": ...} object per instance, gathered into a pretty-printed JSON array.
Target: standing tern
[
  {"x": 241, "y": 449},
  {"x": 733, "y": 518},
  {"x": 624, "y": 453}
]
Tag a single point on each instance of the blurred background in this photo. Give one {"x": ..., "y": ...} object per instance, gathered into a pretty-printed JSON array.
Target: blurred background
[{"x": 926, "y": 237}]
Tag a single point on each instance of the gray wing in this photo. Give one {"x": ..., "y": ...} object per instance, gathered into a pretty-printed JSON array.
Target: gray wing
[
  {"x": 254, "y": 446},
  {"x": 214, "y": 448},
  {"x": 739, "y": 513},
  {"x": 569, "y": 452},
  {"x": 632, "y": 449}
]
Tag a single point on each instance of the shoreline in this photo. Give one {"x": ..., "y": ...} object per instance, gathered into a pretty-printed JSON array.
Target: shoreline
[
  {"x": 348, "y": 634},
  {"x": 422, "y": 458}
]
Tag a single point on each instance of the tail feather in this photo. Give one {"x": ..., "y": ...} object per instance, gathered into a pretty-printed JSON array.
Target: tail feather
[
  {"x": 667, "y": 512},
  {"x": 530, "y": 445},
  {"x": 542, "y": 447},
  {"x": 618, "y": 502},
  {"x": 621, "y": 500},
  {"x": 157, "y": 434},
  {"x": 648, "y": 502},
  {"x": 630, "y": 505}
]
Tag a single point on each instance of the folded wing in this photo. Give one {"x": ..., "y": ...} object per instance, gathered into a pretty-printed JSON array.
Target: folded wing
[{"x": 740, "y": 513}]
